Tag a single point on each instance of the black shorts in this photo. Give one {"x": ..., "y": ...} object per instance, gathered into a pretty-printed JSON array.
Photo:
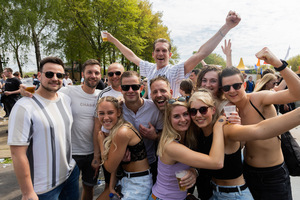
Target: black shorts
[{"x": 87, "y": 172}]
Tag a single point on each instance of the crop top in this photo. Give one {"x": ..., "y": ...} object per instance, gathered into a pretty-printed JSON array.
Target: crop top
[
  {"x": 233, "y": 167},
  {"x": 138, "y": 151}
]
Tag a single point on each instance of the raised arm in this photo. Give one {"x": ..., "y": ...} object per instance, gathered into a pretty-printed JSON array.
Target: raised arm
[
  {"x": 232, "y": 20},
  {"x": 265, "y": 129},
  {"x": 124, "y": 50},
  {"x": 22, "y": 171},
  {"x": 292, "y": 94},
  {"x": 227, "y": 51}
]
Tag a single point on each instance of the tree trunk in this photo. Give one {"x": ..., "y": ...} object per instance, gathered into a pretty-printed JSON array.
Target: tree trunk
[
  {"x": 36, "y": 43},
  {"x": 19, "y": 63}
]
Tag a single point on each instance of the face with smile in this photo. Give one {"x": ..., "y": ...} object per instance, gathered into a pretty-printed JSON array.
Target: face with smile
[
  {"x": 161, "y": 54},
  {"x": 211, "y": 81},
  {"x": 51, "y": 84},
  {"x": 202, "y": 120},
  {"x": 193, "y": 77},
  {"x": 115, "y": 80},
  {"x": 108, "y": 114},
  {"x": 233, "y": 95},
  {"x": 131, "y": 96},
  {"x": 160, "y": 94},
  {"x": 180, "y": 119},
  {"x": 92, "y": 75}
]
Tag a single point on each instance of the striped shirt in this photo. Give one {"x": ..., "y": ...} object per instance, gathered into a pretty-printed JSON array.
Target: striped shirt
[
  {"x": 174, "y": 73},
  {"x": 45, "y": 127}
]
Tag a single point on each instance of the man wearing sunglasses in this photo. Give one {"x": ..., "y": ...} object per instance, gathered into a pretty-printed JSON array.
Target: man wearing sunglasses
[
  {"x": 39, "y": 135},
  {"x": 162, "y": 54},
  {"x": 143, "y": 114},
  {"x": 264, "y": 168}
]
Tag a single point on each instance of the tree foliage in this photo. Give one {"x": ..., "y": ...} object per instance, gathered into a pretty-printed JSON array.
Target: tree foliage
[{"x": 213, "y": 59}]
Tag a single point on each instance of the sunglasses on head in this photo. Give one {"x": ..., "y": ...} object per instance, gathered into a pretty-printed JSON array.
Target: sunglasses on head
[
  {"x": 235, "y": 86},
  {"x": 203, "y": 110},
  {"x": 111, "y": 74},
  {"x": 134, "y": 87},
  {"x": 51, "y": 74},
  {"x": 181, "y": 99}
]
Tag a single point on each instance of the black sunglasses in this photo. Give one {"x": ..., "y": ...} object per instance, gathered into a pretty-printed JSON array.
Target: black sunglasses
[
  {"x": 181, "y": 99},
  {"x": 134, "y": 87},
  {"x": 203, "y": 110},
  {"x": 51, "y": 74},
  {"x": 235, "y": 86},
  {"x": 111, "y": 74}
]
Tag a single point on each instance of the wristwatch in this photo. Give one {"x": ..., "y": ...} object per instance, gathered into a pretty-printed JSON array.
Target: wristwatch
[{"x": 282, "y": 67}]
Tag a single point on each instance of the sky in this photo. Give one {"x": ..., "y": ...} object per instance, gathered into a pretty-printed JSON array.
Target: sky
[{"x": 265, "y": 23}]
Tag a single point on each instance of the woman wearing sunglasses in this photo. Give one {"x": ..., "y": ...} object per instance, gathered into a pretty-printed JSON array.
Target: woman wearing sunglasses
[
  {"x": 137, "y": 180},
  {"x": 174, "y": 152},
  {"x": 228, "y": 182}
]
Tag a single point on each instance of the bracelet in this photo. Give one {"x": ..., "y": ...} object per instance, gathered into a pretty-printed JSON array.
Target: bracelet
[
  {"x": 282, "y": 67},
  {"x": 221, "y": 33},
  {"x": 196, "y": 171}
]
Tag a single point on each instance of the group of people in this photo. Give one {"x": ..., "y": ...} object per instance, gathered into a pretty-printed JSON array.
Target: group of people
[{"x": 141, "y": 143}]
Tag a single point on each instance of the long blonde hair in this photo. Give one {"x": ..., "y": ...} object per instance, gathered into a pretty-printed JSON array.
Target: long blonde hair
[
  {"x": 108, "y": 140},
  {"x": 169, "y": 134},
  {"x": 206, "y": 97},
  {"x": 262, "y": 83}
]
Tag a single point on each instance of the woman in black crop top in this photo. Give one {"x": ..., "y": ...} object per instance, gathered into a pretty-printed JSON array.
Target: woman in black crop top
[
  {"x": 228, "y": 182},
  {"x": 137, "y": 180}
]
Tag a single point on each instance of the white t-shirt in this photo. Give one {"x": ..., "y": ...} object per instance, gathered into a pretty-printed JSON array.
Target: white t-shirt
[
  {"x": 174, "y": 73},
  {"x": 45, "y": 127},
  {"x": 83, "y": 106},
  {"x": 66, "y": 82},
  {"x": 148, "y": 112}
]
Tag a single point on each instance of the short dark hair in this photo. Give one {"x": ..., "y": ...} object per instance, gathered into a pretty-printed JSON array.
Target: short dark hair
[
  {"x": 130, "y": 74},
  {"x": 163, "y": 41},
  {"x": 160, "y": 78},
  {"x": 187, "y": 86},
  {"x": 196, "y": 71},
  {"x": 50, "y": 59},
  {"x": 90, "y": 62},
  {"x": 16, "y": 73},
  {"x": 8, "y": 69},
  {"x": 230, "y": 71}
]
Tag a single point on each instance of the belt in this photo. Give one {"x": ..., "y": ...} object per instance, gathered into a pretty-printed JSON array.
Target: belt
[
  {"x": 153, "y": 196},
  {"x": 137, "y": 174},
  {"x": 231, "y": 189}
]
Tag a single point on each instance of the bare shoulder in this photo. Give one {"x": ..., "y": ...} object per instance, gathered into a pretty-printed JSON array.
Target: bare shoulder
[{"x": 124, "y": 132}]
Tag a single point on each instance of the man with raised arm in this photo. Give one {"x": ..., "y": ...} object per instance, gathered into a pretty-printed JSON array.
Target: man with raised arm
[
  {"x": 264, "y": 169},
  {"x": 162, "y": 53}
]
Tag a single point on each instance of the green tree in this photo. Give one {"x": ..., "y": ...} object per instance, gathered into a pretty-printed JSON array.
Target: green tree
[{"x": 213, "y": 59}]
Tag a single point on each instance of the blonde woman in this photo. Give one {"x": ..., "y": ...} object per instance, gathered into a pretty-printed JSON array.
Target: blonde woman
[
  {"x": 174, "y": 155},
  {"x": 268, "y": 82},
  {"x": 137, "y": 180}
]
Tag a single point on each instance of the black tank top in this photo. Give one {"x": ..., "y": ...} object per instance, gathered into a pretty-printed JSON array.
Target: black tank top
[
  {"x": 138, "y": 151},
  {"x": 233, "y": 167}
]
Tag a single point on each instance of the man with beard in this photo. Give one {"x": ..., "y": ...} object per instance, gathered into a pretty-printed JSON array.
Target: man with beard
[
  {"x": 162, "y": 54},
  {"x": 39, "y": 135},
  {"x": 84, "y": 99}
]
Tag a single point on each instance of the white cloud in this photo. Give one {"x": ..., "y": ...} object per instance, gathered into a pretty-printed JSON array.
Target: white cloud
[{"x": 274, "y": 24}]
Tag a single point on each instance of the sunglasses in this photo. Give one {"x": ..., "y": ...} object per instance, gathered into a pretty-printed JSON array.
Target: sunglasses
[
  {"x": 51, "y": 74},
  {"x": 203, "y": 110},
  {"x": 181, "y": 99},
  {"x": 134, "y": 87},
  {"x": 111, "y": 74},
  {"x": 235, "y": 86}
]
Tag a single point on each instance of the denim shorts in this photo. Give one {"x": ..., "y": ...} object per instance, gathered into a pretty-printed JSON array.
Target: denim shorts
[
  {"x": 240, "y": 195},
  {"x": 68, "y": 190},
  {"x": 136, "y": 187}
]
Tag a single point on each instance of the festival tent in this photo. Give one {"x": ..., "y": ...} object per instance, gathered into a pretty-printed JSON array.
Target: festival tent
[{"x": 241, "y": 65}]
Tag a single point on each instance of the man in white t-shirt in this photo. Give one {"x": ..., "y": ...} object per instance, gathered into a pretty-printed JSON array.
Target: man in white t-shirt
[
  {"x": 39, "y": 135},
  {"x": 84, "y": 100},
  {"x": 162, "y": 54},
  {"x": 67, "y": 81}
]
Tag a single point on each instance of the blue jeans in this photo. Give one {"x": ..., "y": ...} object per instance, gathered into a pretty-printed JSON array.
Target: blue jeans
[
  {"x": 68, "y": 190},
  {"x": 240, "y": 195},
  {"x": 269, "y": 183}
]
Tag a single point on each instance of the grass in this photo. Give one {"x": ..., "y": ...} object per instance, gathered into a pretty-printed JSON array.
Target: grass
[{"x": 6, "y": 161}]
